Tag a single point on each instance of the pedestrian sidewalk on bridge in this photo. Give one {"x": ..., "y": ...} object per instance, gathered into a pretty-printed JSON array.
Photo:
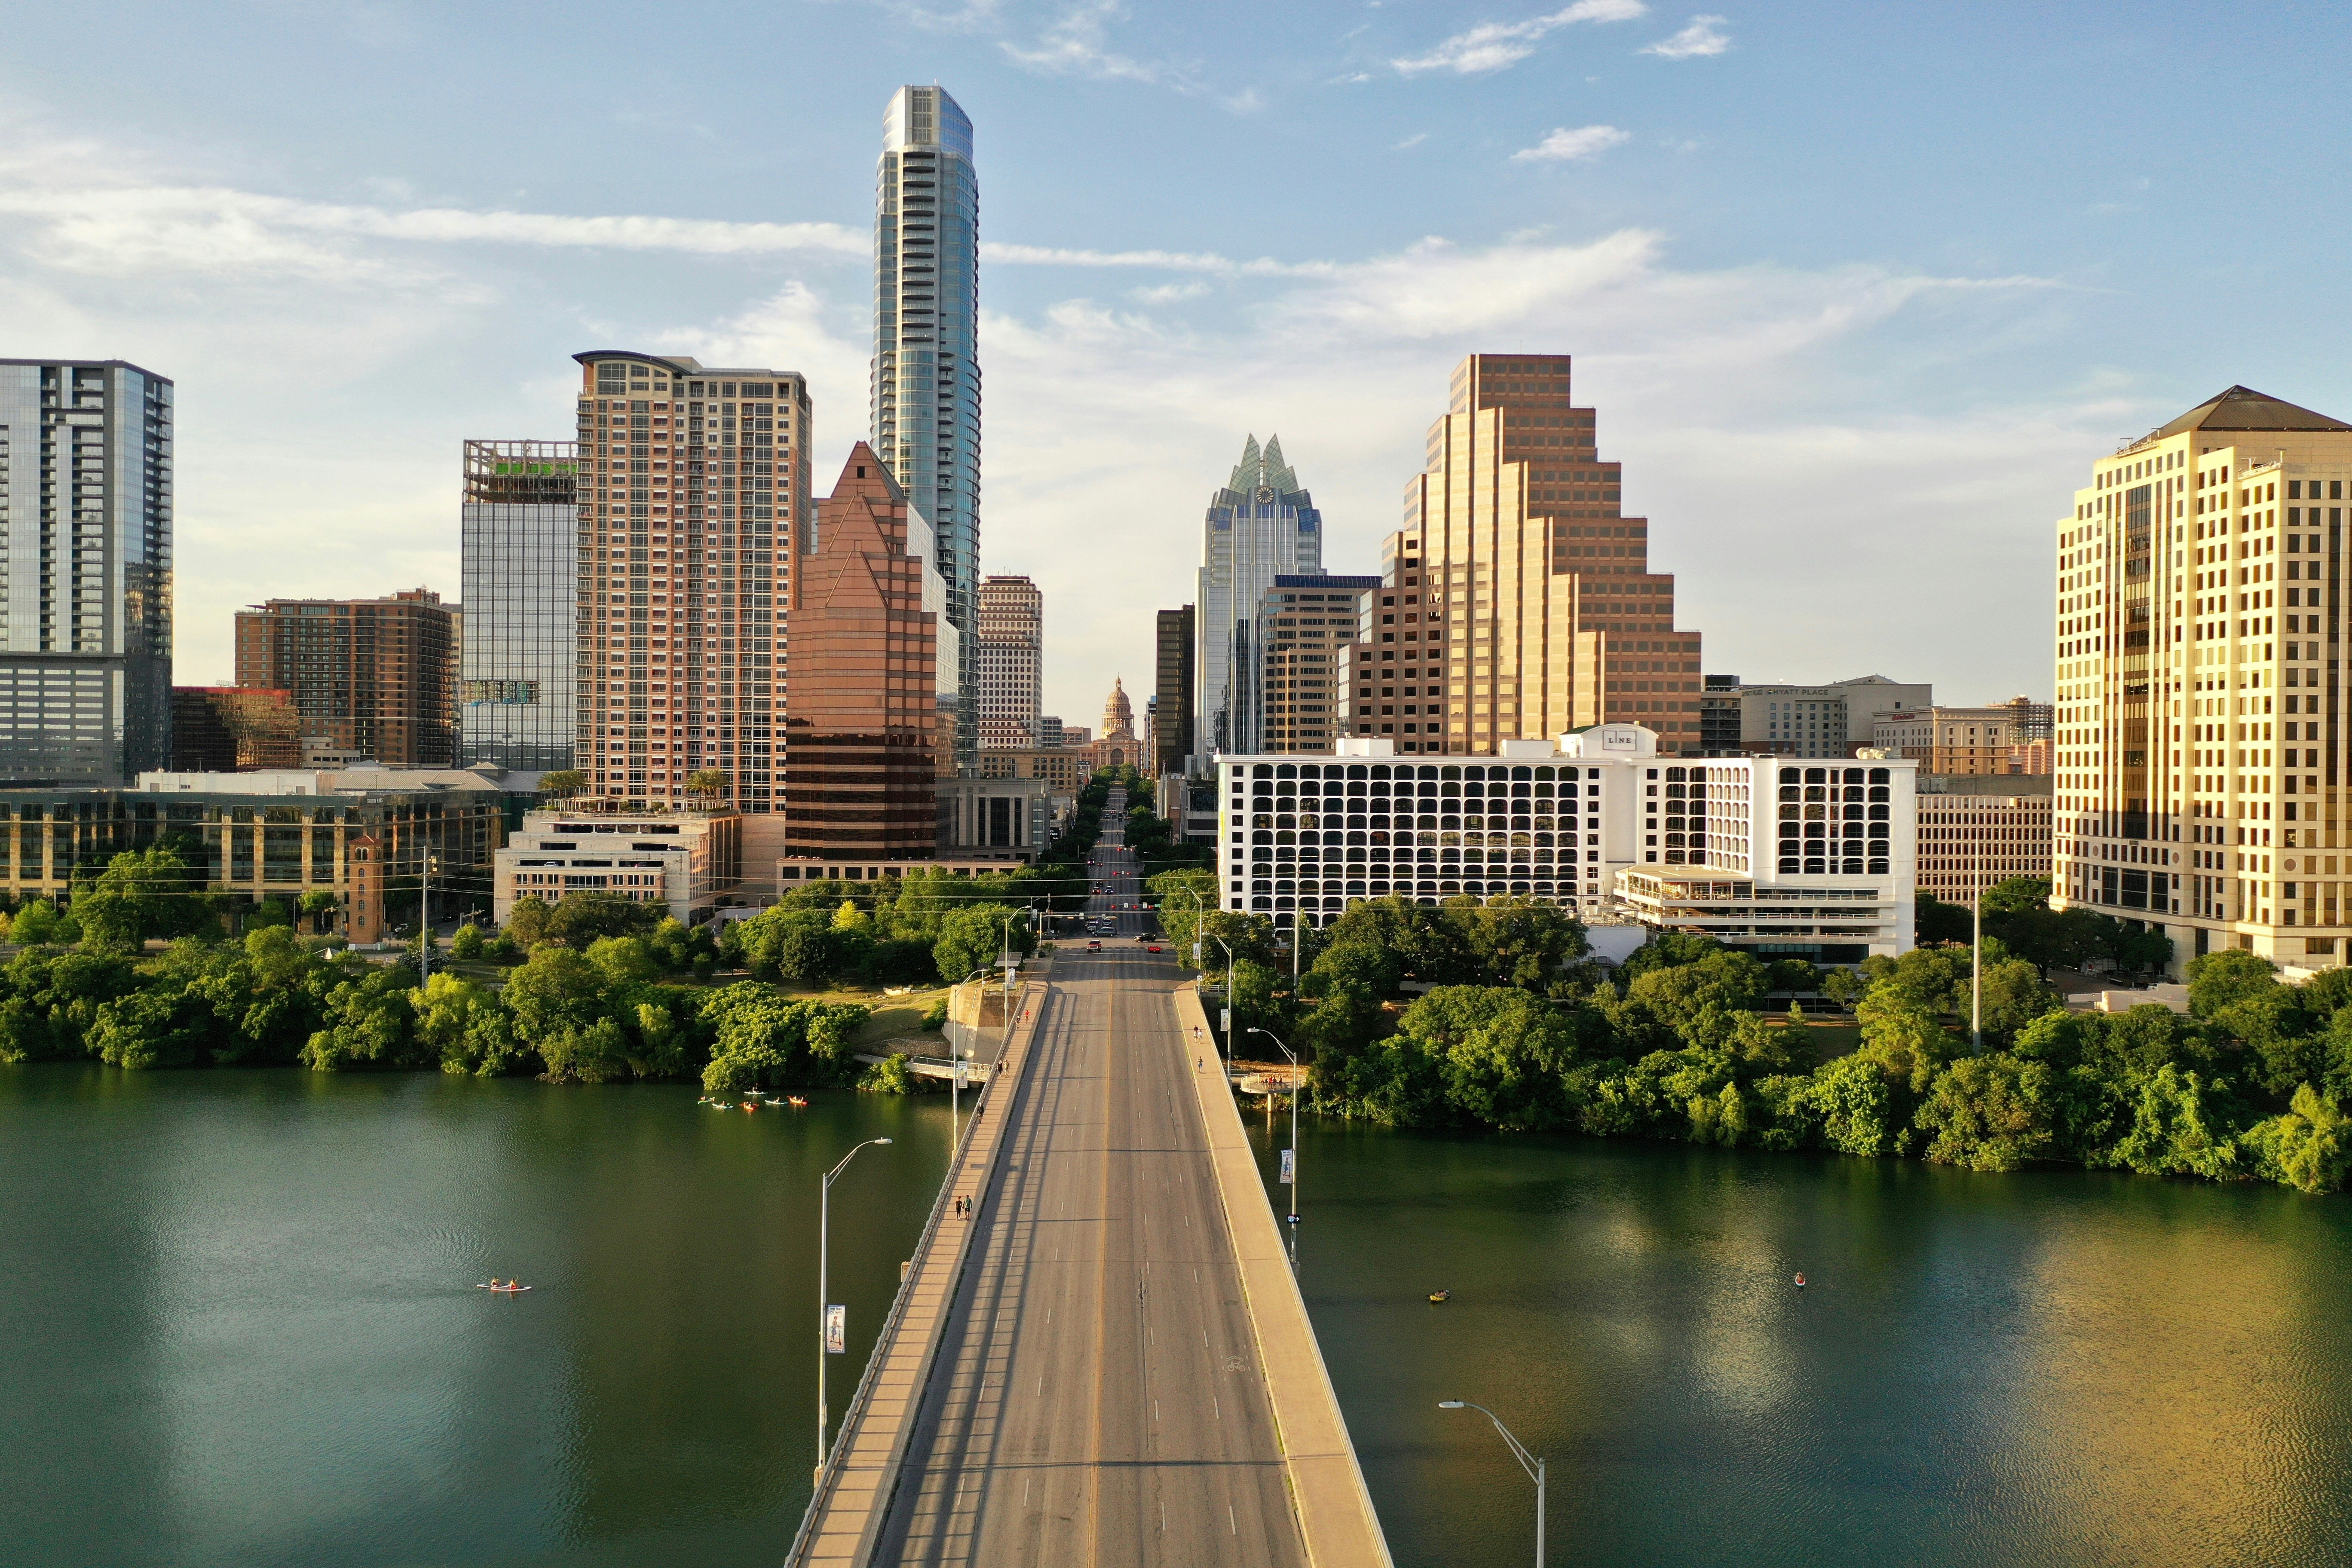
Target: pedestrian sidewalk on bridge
[{"x": 853, "y": 1495}]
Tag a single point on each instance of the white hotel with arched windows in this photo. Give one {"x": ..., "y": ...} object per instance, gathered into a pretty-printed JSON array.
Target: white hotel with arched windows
[{"x": 1789, "y": 858}]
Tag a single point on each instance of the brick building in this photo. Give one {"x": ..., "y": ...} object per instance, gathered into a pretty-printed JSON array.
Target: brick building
[{"x": 375, "y": 677}]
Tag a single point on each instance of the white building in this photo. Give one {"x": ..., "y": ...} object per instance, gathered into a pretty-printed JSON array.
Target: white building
[
  {"x": 685, "y": 860},
  {"x": 1788, "y": 858}
]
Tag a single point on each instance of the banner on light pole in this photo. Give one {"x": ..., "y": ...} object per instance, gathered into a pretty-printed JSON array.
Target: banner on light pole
[
  {"x": 1225, "y": 1020},
  {"x": 836, "y": 1330},
  {"x": 1289, "y": 1167},
  {"x": 962, "y": 1073}
]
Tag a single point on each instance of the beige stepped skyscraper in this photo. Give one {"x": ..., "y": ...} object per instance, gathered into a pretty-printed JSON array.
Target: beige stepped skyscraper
[
  {"x": 2199, "y": 637},
  {"x": 1536, "y": 589},
  {"x": 1011, "y": 636}
]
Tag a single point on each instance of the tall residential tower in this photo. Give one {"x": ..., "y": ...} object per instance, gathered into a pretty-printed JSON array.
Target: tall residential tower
[
  {"x": 694, "y": 496},
  {"x": 926, "y": 371},
  {"x": 85, "y": 572},
  {"x": 2199, "y": 729},
  {"x": 1261, "y": 525}
]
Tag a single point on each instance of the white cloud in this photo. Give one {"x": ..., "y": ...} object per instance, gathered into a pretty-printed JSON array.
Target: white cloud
[
  {"x": 1755, "y": 408},
  {"x": 1169, "y": 294},
  {"x": 1564, "y": 145},
  {"x": 1415, "y": 140},
  {"x": 1077, "y": 44},
  {"x": 1493, "y": 45},
  {"x": 1703, "y": 37}
]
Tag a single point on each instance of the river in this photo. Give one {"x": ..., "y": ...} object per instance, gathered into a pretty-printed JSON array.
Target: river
[{"x": 240, "y": 1330}]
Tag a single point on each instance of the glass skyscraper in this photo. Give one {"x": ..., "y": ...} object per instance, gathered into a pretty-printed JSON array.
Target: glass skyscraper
[
  {"x": 85, "y": 572},
  {"x": 926, "y": 370},
  {"x": 1261, "y": 525},
  {"x": 519, "y": 562}
]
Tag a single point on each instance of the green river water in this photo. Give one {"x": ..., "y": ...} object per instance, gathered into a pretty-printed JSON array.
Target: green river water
[{"x": 239, "y": 1329}]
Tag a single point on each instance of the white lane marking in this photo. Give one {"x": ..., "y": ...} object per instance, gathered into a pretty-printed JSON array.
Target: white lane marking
[
  {"x": 1155, "y": 1411},
  {"x": 1215, "y": 1413},
  {"x": 1230, "y": 1520},
  {"x": 1024, "y": 1489}
]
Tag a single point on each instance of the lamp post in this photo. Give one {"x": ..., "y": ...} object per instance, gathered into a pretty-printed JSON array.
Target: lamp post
[
  {"x": 824, "y": 1308},
  {"x": 1297, "y": 1085},
  {"x": 1527, "y": 1462}
]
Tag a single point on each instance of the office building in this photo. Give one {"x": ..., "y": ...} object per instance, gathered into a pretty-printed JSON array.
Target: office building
[
  {"x": 85, "y": 572},
  {"x": 1992, "y": 739},
  {"x": 1065, "y": 768},
  {"x": 2199, "y": 754},
  {"x": 926, "y": 372},
  {"x": 1720, "y": 714},
  {"x": 1172, "y": 702},
  {"x": 276, "y": 834},
  {"x": 1521, "y": 583},
  {"x": 1263, "y": 524},
  {"x": 682, "y": 860},
  {"x": 1295, "y": 699},
  {"x": 1975, "y": 831},
  {"x": 1011, "y": 636},
  {"x": 234, "y": 730},
  {"x": 1785, "y": 859},
  {"x": 1013, "y": 818},
  {"x": 372, "y": 678},
  {"x": 865, "y": 722},
  {"x": 519, "y": 562},
  {"x": 694, "y": 487}
]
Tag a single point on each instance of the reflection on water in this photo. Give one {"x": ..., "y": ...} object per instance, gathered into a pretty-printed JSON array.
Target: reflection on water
[
  {"x": 240, "y": 1330},
  {"x": 241, "y": 1327},
  {"x": 2055, "y": 1368}
]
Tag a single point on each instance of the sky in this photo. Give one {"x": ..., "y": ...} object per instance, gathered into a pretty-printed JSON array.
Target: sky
[{"x": 1859, "y": 291}]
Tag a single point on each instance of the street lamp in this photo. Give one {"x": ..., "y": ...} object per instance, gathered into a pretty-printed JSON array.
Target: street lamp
[
  {"x": 1527, "y": 1462},
  {"x": 1290, "y": 1176},
  {"x": 825, "y": 1309}
]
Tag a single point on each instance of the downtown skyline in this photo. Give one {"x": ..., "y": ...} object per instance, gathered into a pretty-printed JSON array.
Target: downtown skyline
[{"x": 1795, "y": 344}]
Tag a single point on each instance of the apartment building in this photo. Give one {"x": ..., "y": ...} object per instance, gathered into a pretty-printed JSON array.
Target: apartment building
[
  {"x": 694, "y": 496},
  {"x": 2199, "y": 748},
  {"x": 1976, "y": 830},
  {"x": 376, "y": 679},
  {"x": 1784, "y": 858},
  {"x": 86, "y": 500},
  {"x": 1011, "y": 636},
  {"x": 925, "y": 409}
]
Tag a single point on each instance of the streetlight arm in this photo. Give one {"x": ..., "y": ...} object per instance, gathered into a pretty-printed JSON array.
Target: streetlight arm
[
  {"x": 834, "y": 1174},
  {"x": 1286, "y": 1051}
]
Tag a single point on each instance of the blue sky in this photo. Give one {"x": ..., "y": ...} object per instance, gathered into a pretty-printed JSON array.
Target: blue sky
[{"x": 1859, "y": 291}]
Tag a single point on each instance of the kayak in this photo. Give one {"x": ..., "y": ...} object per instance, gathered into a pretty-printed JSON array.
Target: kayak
[
  {"x": 503, "y": 1289},
  {"x": 1436, "y": 1296}
]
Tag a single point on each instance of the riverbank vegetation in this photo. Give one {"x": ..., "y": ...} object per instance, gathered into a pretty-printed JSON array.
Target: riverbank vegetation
[{"x": 1492, "y": 1014}]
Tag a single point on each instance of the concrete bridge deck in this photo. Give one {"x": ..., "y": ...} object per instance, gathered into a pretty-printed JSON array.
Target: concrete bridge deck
[{"x": 1109, "y": 1362}]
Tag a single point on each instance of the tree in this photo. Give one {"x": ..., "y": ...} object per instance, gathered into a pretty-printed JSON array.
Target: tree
[
  {"x": 1180, "y": 897},
  {"x": 622, "y": 960},
  {"x": 971, "y": 938},
  {"x": 466, "y": 944},
  {"x": 1516, "y": 941},
  {"x": 1933, "y": 921},
  {"x": 368, "y": 1020},
  {"x": 1725, "y": 979},
  {"x": 709, "y": 786},
  {"x": 2309, "y": 1147},
  {"x": 1901, "y": 1038},
  {"x": 141, "y": 893},
  {"x": 2231, "y": 975},
  {"x": 1991, "y": 1113},
  {"x": 562, "y": 784},
  {"x": 582, "y": 916},
  {"x": 39, "y": 924}
]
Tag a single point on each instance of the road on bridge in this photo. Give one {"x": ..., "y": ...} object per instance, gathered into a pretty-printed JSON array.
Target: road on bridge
[{"x": 1099, "y": 1398}]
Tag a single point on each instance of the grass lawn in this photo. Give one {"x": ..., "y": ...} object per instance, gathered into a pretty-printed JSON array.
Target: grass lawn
[
  {"x": 893, "y": 1015},
  {"x": 1831, "y": 1038}
]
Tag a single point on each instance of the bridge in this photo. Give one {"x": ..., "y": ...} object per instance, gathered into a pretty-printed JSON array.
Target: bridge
[{"x": 1108, "y": 1362}]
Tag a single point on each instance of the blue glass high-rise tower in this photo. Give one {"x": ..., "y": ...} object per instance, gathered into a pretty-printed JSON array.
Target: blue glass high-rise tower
[{"x": 926, "y": 370}]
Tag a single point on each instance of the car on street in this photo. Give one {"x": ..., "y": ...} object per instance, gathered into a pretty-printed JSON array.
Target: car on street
[{"x": 1094, "y": 947}]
